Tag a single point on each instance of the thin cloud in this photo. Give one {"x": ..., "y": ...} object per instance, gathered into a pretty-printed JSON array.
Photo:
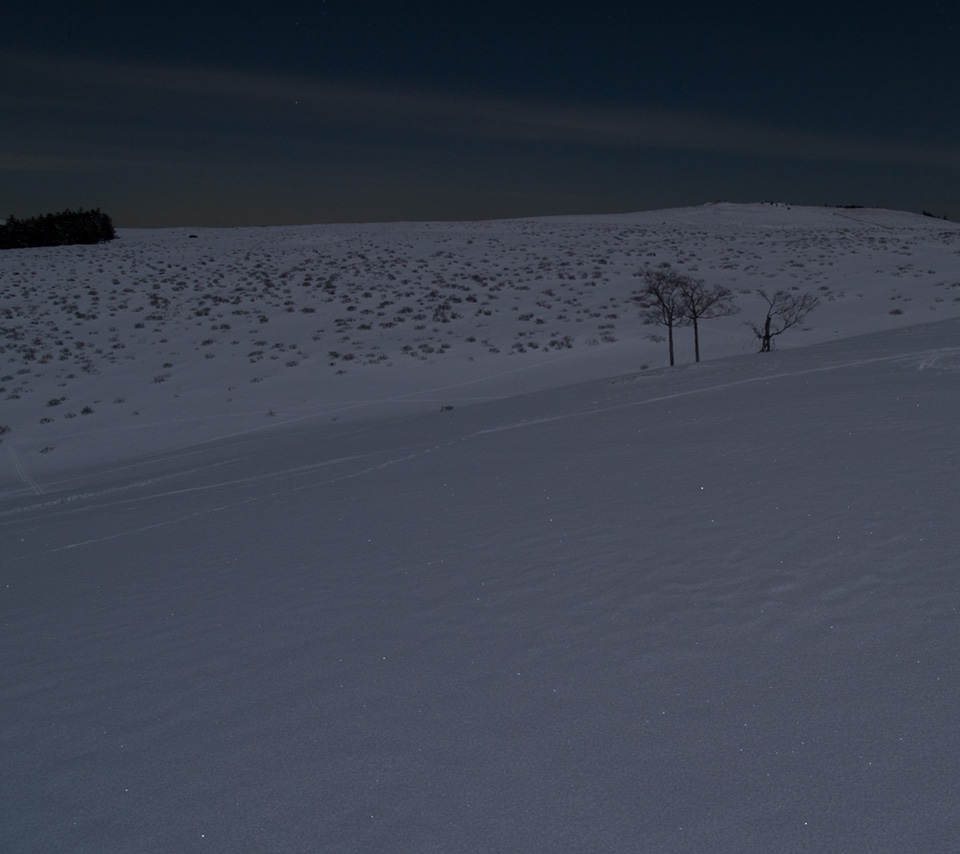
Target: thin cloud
[
  {"x": 42, "y": 163},
  {"x": 80, "y": 87}
]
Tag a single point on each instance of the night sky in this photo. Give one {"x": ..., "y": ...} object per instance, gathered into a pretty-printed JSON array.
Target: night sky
[{"x": 194, "y": 113}]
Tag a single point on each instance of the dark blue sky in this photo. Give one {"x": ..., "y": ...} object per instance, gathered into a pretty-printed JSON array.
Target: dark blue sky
[{"x": 288, "y": 112}]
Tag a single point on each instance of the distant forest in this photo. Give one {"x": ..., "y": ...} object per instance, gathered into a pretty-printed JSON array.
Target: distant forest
[{"x": 57, "y": 229}]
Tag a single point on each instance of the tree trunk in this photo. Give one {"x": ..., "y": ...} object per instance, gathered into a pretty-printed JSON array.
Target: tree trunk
[
  {"x": 765, "y": 347},
  {"x": 696, "y": 341},
  {"x": 670, "y": 337}
]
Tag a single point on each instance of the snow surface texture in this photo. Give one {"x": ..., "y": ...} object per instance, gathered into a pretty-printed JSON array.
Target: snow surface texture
[{"x": 590, "y": 607}]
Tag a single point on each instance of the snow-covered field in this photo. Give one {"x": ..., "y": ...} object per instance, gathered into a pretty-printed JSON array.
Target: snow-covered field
[{"x": 403, "y": 538}]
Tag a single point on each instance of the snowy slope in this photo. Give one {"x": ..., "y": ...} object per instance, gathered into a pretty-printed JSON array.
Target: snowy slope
[
  {"x": 704, "y": 609},
  {"x": 159, "y": 340}
]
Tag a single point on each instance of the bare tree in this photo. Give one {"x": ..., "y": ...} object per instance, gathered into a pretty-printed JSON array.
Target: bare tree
[
  {"x": 660, "y": 300},
  {"x": 701, "y": 303},
  {"x": 784, "y": 310}
]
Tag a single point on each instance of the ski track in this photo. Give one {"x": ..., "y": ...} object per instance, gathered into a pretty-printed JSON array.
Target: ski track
[
  {"x": 312, "y": 413},
  {"x": 921, "y": 361},
  {"x": 22, "y": 473}
]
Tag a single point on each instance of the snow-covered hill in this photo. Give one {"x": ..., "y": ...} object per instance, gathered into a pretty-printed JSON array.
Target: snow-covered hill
[
  {"x": 164, "y": 338},
  {"x": 594, "y": 606}
]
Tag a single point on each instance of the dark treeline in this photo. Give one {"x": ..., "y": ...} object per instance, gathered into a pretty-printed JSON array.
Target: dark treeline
[{"x": 57, "y": 229}]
